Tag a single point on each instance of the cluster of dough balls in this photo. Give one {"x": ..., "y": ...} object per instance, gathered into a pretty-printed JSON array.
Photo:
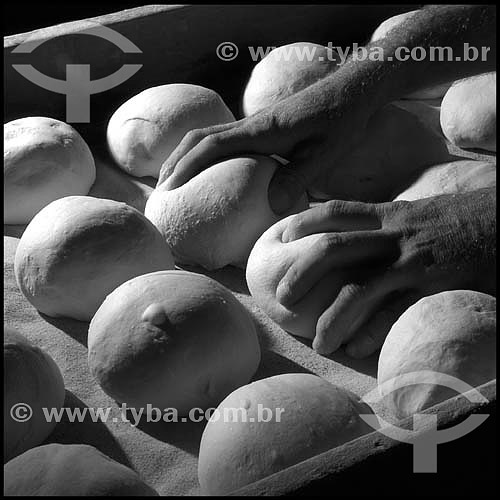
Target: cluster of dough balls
[
  {"x": 44, "y": 160},
  {"x": 31, "y": 377},
  {"x": 71, "y": 470}
]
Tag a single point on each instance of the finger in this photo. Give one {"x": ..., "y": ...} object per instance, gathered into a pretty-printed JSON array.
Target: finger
[
  {"x": 334, "y": 250},
  {"x": 352, "y": 307},
  {"x": 188, "y": 142},
  {"x": 372, "y": 334},
  {"x": 213, "y": 148},
  {"x": 332, "y": 216}
]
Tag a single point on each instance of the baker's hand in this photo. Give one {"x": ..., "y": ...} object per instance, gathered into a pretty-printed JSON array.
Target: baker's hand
[
  {"x": 391, "y": 255},
  {"x": 310, "y": 129}
]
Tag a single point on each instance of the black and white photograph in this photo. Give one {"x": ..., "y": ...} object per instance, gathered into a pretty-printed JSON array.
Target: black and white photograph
[{"x": 249, "y": 249}]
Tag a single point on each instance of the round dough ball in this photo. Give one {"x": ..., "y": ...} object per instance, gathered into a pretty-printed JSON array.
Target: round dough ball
[
  {"x": 269, "y": 261},
  {"x": 43, "y": 160},
  {"x": 71, "y": 470},
  {"x": 172, "y": 339},
  {"x": 453, "y": 333},
  {"x": 295, "y": 416},
  {"x": 215, "y": 218},
  {"x": 144, "y": 130},
  {"x": 451, "y": 178},
  {"x": 79, "y": 249},
  {"x": 468, "y": 112},
  {"x": 434, "y": 92},
  {"x": 285, "y": 71},
  {"x": 31, "y": 377}
]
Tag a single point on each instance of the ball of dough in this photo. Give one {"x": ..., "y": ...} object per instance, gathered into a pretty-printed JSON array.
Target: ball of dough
[
  {"x": 70, "y": 470},
  {"x": 269, "y": 260},
  {"x": 43, "y": 160},
  {"x": 295, "y": 416},
  {"x": 214, "y": 219},
  {"x": 453, "y": 333},
  {"x": 79, "y": 249},
  {"x": 434, "y": 92},
  {"x": 145, "y": 129},
  {"x": 285, "y": 71},
  {"x": 372, "y": 171},
  {"x": 468, "y": 112},
  {"x": 451, "y": 178},
  {"x": 31, "y": 377},
  {"x": 172, "y": 339}
]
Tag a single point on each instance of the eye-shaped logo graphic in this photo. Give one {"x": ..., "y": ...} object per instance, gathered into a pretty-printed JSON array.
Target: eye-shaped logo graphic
[
  {"x": 78, "y": 87},
  {"x": 425, "y": 435}
]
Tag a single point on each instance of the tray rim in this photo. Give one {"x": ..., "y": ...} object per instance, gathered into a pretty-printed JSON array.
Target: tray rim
[{"x": 323, "y": 464}]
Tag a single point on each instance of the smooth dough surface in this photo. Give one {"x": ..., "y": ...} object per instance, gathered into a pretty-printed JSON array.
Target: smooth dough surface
[
  {"x": 306, "y": 416},
  {"x": 144, "y": 130},
  {"x": 451, "y": 178},
  {"x": 285, "y": 71},
  {"x": 30, "y": 377},
  {"x": 70, "y": 470},
  {"x": 215, "y": 218},
  {"x": 269, "y": 260},
  {"x": 468, "y": 112},
  {"x": 172, "y": 339},
  {"x": 44, "y": 160},
  {"x": 453, "y": 333},
  {"x": 78, "y": 249}
]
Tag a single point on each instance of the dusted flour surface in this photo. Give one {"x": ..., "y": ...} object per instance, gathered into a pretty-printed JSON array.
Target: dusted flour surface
[{"x": 164, "y": 454}]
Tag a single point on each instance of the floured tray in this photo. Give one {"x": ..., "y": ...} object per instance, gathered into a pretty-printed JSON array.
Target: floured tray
[{"x": 165, "y": 454}]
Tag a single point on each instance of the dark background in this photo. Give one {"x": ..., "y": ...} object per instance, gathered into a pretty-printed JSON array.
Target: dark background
[{"x": 20, "y": 16}]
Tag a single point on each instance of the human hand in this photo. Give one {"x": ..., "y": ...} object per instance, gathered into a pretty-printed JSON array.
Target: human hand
[
  {"x": 309, "y": 129},
  {"x": 389, "y": 256}
]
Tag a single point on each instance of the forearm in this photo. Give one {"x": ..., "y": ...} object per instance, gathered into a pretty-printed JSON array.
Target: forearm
[
  {"x": 465, "y": 237},
  {"x": 374, "y": 83}
]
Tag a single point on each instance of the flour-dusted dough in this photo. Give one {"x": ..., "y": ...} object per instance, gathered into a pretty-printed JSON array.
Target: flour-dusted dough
[
  {"x": 215, "y": 218},
  {"x": 79, "y": 249},
  {"x": 434, "y": 92},
  {"x": 70, "y": 470},
  {"x": 451, "y": 178},
  {"x": 144, "y": 130},
  {"x": 31, "y": 377},
  {"x": 453, "y": 333},
  {"x": 269, "y": 260},
  {"x": 172, "y": 339},
  {"x": 396, "y": 146},
  {"x": 44, "y": 160},
  {"x": 469, "y": 114},
  {"x": 285, "y": 71},
  {"x": 306, "y": 415}
]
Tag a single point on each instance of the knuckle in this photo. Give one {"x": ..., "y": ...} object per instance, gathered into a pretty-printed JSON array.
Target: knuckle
[
  {"x": 295, "y": 227},
  {"x": 330, "y": 242},
  {"x": 352, "y": 291},
  {"x": 194, "y": 136},
  {"x": 334, "y": 207}
]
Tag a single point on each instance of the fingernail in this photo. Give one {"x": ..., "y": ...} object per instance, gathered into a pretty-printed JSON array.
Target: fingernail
[
  {"x": 283, "y": 294},
  {"x": 320, "y": 347},
  {"x": 284, "y": 191}
]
